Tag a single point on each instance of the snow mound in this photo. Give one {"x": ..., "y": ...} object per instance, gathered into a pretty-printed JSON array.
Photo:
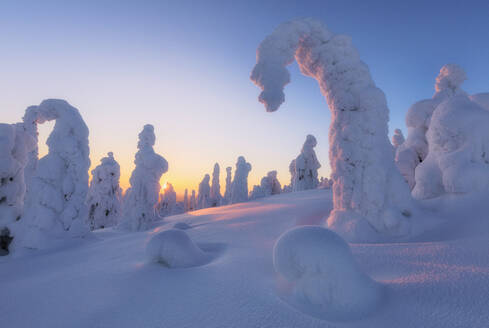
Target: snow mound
[
  {"x": 326, "y": 278},
  {"x": 174, "y": 249}
]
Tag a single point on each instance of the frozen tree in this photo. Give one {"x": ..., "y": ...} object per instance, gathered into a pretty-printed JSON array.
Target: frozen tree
[
  {"x": 141, "y": 198},
  {"x": 458, "y": 157},
  {"x": 227, "y": 193},
  {"x": 203, "y": 199},
  {"x": 239, "y": 187},
  {"x": 55, "y": 202},
  {"x": 371, "y": 200},
  {"x": 186, "y": 204},
  {"x": 325, "y": 183},
  {"x": 397, "y": 138},
  {"x": 415, "y": 149},
  {"x": 215, "y": 193},
  {"x": 168, "y": 202},
  {"x": 104, "y": 194},
  {"x": 193, "y": 202},
  {"x": 269, "y": 185},
  {"x": 15, "y": 144},
  {"x": 304, "y": 169}
]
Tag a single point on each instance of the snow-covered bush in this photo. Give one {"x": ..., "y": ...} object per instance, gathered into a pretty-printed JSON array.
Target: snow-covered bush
[
  {"x": 141, "y": 198},
  {"x": 55, "y": 202},
  {"x": 174, "y": 249},
  {"x": 458, "y": 158},
  {"x": 203, "y": 198},
  {"x": 239, "y": 186},
  {"x": 325, "y": 276},
  {"x": 215, "y": 193},
  {"x": 325, "y": 183},
  {"x": 397, "y": 138},
  {"x": 168, "y": 202},
  {"x": 304, "y": 169},
  {"x": 192, "y": 202},
  {"x": 104, "y": 194},
  {"x": 269, "y": 185},
  {"x": 415, "y": 148},
  {"x": 15, "y": 144},
  {"x": 371, "y": 199},
  {"x": 227, "y": 194}
]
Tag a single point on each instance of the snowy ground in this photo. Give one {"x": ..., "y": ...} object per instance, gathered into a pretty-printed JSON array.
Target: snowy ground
[{"x": 440, "y": 280}]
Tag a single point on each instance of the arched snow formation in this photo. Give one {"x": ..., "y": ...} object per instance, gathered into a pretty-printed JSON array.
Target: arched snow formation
[
  {"x": 57, "y": 184},
  {"x": 369, "y": 194}
]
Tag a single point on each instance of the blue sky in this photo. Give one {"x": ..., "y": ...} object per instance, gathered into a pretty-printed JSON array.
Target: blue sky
[{"x": 184, "y": 67}]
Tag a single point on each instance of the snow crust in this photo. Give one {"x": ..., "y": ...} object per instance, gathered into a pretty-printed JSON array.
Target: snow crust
[
  {"x": 324, "y": 274},
  {"x": 105, "y": 194},
  {"x": 141, "y": 198},
  {"x": 239, "y": 186},
  {"x": 371, "y": 199},
  {"x": 174, "y": 248}
]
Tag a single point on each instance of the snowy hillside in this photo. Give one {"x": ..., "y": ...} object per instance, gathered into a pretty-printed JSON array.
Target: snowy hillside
[{"x": 106, "y": 279}]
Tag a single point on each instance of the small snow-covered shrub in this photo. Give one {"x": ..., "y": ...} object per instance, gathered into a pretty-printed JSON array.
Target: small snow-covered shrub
[
  {"x": 174, "y": 248},
  {"x": 141, "y": 198},
  {"x": 239, "y": 187},
  {"x": 105, "y": 194},
  {"x": 326, "y": 278}
]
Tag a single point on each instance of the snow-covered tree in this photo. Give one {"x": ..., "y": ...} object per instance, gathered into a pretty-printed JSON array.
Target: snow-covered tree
[
  {"x": 397, "y": 138},
  {"x": 304, "y": 169},
  {"x": 203, "y": 199},
  {"x": 227, "y": 193},
  {"x": 269, "y": 185},
  {"x": 215, "y": 193},
  {"x": 325, "y": 183},
  {"x": 415, "y": 149},
  {"x": 141, "y": 198},
  {"x": 371, "y": 199},
  {"x": 186, "y": 204},
  {"x": 239, "y": 187},
  {"x": 15, "y": 144},
  {"x": 458, "y": 142},
  {"x": 193, "y": 202},
  {"x": 104, "y": 194},
  {"x": 168, "y": 201},
  {"x": 55, "y": 202}
]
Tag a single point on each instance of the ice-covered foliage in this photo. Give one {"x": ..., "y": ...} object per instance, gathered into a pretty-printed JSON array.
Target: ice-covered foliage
[
  {"x": 269, "y": 185},
  {"x": 192, "y": 202},
  {"x": 168, "y": 202},
  {"x": 227, "y": 194},
  {"x": 203, "y": 198},
  {"x": 186, "y": 204},
  {"x": 397, "y": 138},
  {"x": 324, "y": 274},
  {"x": 304, "y": 169},
  {"x": 174, "y": 249},
  {"x": 104, "y": 194},
  {"x": 458, "y": 158},
  {"x": 55, "y": 202},
  {"x": 141, "y": 198},
  {"x": 415, "y": 148},
  {"x": 370, "y": 197},
  {"x": 15, "y": 144},
  {"x": 215, "y": 193},
  {"x": 239, "y": 186}
]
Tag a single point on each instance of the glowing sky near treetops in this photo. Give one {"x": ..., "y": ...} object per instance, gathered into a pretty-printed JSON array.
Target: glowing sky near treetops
[{"x": 184, "y": 67}]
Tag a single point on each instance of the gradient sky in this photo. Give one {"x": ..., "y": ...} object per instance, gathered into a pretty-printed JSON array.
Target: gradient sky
[{"x": 184, "y": 67}]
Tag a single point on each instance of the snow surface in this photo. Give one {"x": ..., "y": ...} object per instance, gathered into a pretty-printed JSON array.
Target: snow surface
[{"x": 441, "y": 279}]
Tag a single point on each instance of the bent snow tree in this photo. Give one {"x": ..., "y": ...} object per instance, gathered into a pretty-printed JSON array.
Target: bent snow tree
[
  {"x": 57, "y": 184},
  {"x": 371, "y": 199}
]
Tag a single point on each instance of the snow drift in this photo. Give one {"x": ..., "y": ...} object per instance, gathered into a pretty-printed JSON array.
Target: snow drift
[
  {"x": 174, "y": 249},
  {"x": 326, "y": 278},
  {"x": 371, "y": 199}
]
